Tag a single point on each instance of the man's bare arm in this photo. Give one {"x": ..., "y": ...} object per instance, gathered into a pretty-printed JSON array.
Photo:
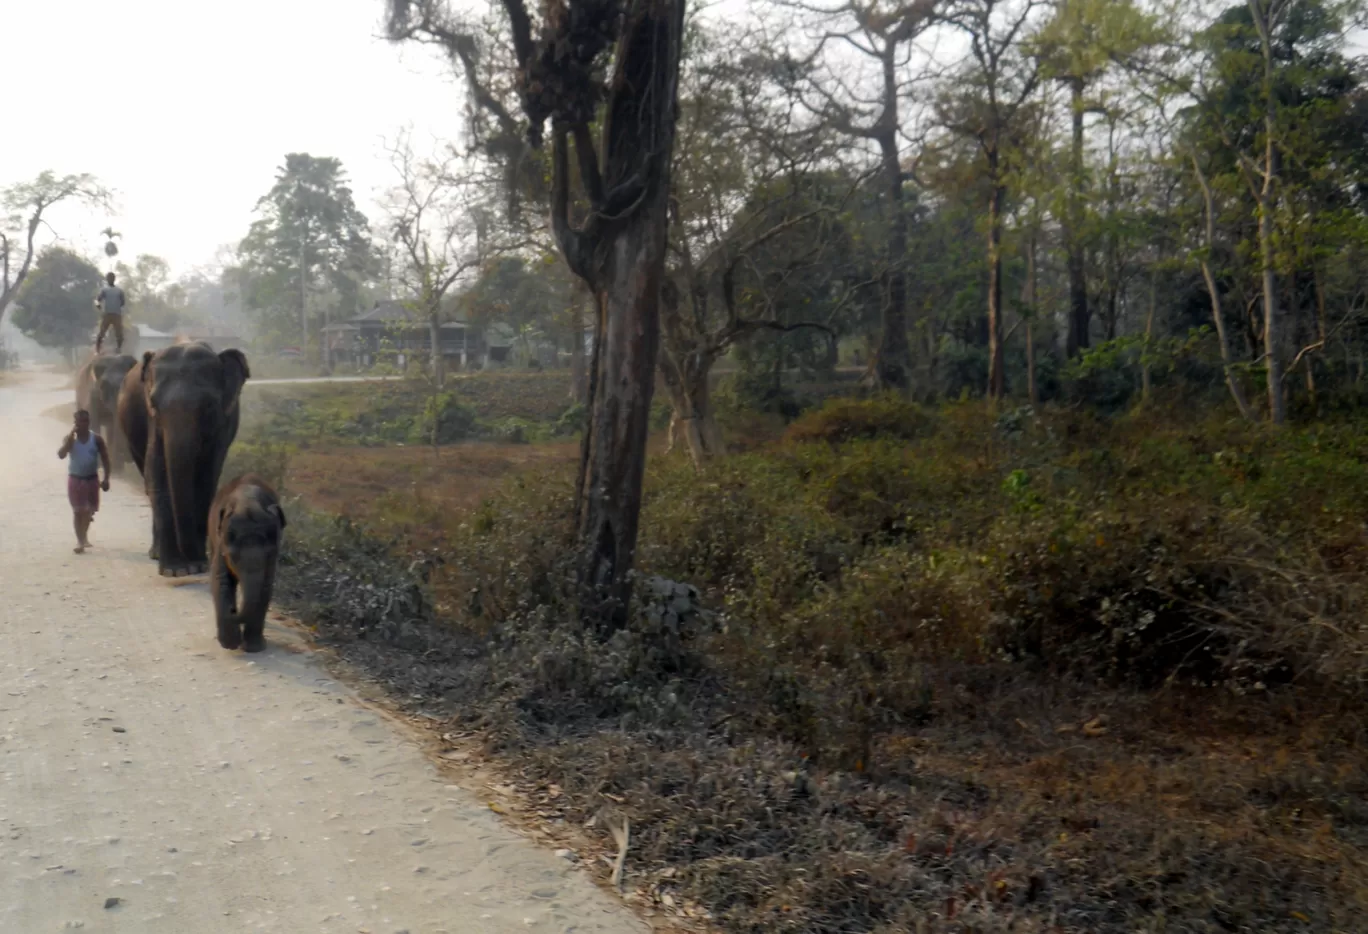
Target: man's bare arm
[
  {"x": 104, "y": 459},
  {"x": 65, "y": 449}
]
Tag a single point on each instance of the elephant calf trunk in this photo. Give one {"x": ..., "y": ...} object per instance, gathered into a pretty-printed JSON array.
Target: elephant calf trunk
[{"x": 257, "y": 583}]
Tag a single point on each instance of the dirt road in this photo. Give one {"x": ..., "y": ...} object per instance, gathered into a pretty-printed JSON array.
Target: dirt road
[{"x": 151, "y": 782}]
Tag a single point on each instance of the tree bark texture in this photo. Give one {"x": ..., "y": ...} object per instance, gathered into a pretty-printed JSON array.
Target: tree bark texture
[
  {"x": 997, "y": 378},
  {"x": 893, "y": 357},
  {"x": 694, "y": 420},
  {"x": 1263, "y": 14},
  {"x": 1028, "y": 301},
  {"x": 620, "y": 252},
  {"x": 1217, "y": 317},
  {"x": 579, "y": 373},
  {"x": 1272, "y": 330}
]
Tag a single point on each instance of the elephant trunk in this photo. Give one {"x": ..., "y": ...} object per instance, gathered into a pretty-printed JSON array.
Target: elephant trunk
[
  {"x": 189, "y": 509},
  {"x": 256, "y": 578}
]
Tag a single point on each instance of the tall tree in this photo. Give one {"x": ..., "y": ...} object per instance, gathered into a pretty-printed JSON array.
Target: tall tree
[
  {"x": 1267, "y": 82},
  {"x": 877, "y": 33},
  {"x": 746, "y": 178},
  {"x": 1081, "y": 43},
  {"x": 26, "y": 207},
  {"x": 308, "y": 228},
  {"x": 55, "y": 300},
  {"x": 987, "y": 103},
  {"x": 614, "y": 63},
  {"x": 1262, "y": 174}
]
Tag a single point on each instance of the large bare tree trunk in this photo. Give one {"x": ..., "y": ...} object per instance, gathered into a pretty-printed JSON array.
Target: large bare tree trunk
[
  {"x": 616, "y": 244},
  {"x": 614, "y": 458},
  {"x": 1080, "y": 319},
  {"x": 625, "y": 262}
]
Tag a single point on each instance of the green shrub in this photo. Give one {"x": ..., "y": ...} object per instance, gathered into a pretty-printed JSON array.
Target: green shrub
[
  {"x": 841, "y": 420},
  {"x": 445, "y": 420},
  {"x": 884, "y": 597}
]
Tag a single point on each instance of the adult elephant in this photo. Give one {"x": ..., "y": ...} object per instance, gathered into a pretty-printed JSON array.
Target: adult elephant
[
  {"x": 98, "y": 385},
  {"x": 179, "y": 407}
]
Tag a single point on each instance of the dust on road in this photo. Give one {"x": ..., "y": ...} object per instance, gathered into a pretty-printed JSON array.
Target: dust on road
[{"x": 151, "y": 782}]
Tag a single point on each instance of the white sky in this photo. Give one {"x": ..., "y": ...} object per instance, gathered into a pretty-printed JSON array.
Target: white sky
[{"x": 185, "y": 109}]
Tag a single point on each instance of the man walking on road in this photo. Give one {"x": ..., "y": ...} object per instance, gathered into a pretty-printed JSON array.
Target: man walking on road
[
  {"x": 111, "y": 301},
  {"x": 85, "y": 451}
]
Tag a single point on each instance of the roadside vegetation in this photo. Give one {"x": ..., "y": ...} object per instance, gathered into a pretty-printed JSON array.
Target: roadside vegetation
[
  {"x": 970, "y": 532},
  {"x": 894, "y": 667}
]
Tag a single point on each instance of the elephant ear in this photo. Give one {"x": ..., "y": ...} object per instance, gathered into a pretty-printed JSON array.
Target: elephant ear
[
  {"x": 146, "y": 365},
  {"x": 276, "y": 510},
  {"x": 97, "y": 369},
  {"x": 235, "y": 373}
]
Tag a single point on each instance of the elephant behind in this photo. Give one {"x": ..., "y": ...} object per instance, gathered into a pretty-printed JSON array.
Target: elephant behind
[
  {"x": 180, "y": 406},
  {"x": 132, "y": 415},
  {"x": 245, "y": 526},
  {"x": 98, "y": 386}
]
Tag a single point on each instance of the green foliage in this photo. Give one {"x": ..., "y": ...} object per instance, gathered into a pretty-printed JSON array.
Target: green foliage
[
  {"x": 310, "y": 215},
  {"x": 446, "y": 420},
  {"x": 152, "y": 298},
  {"x": 57, "y": 299},
  {"x": 1134, "y": 549},
  {"x": 496, "y": 406},
  {"x": 531, "y": 299}
]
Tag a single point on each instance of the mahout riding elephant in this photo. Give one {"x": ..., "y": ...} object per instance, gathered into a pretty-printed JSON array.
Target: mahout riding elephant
[
  {"x": 245, "y": 527},
  {"x": 98, "y": 385},
  {"x": 180, "y": 408}
]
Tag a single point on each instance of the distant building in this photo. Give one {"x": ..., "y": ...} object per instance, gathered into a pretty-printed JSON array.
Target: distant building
[
  {"x": 395, "y": 331},
  {"x": 139, "y": 338}
]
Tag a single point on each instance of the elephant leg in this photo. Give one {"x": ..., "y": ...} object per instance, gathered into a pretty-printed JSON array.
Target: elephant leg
[
  {"x": 170, "y": 561},
  {"x": 206, "y": 487},
  {"x": 223, "y": 586},
  {"x": 254, "y": 635}
]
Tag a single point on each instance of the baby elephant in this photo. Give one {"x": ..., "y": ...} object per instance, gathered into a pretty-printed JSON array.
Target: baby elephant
[{"x": 245, "y": 526}]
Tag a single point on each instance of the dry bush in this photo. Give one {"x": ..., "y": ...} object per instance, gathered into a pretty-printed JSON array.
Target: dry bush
[{"x": 916, "y": 688}]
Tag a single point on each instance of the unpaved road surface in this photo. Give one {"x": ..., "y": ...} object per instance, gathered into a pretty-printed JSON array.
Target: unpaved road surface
[{"x": 208, "y": 791}]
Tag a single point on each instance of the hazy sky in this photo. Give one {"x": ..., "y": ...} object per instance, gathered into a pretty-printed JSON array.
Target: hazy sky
[{"x": 186, "y": 109}]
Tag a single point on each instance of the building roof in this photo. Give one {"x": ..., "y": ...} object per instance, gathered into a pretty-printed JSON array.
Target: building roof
[{"x": 390, "y": 310}]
